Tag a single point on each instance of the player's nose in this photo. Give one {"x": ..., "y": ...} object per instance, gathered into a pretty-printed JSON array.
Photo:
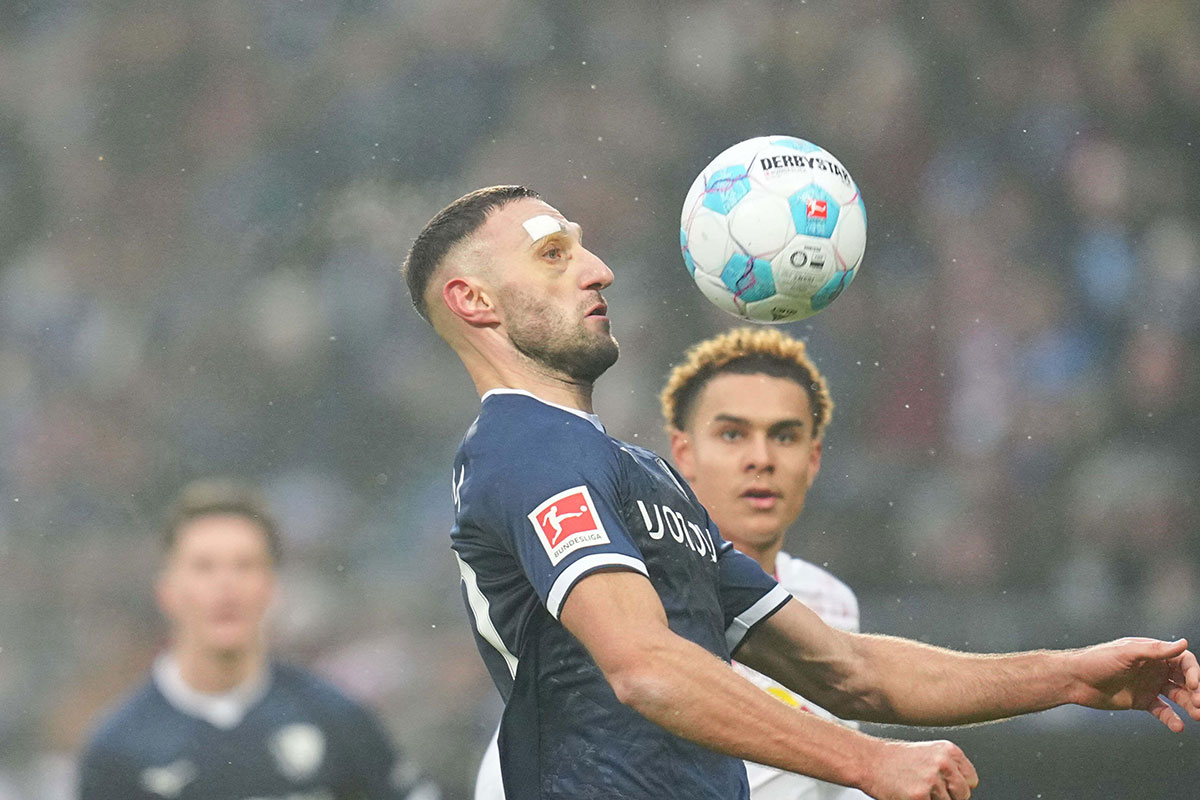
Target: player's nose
[
  {"x": 758, "y": 454},
  {"x": 594, "y": 273}
]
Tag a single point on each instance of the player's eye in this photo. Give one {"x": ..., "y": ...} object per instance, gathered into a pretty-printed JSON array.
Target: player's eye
[
  {"x": 730, "y": 434},
  {"x": 554, "y": 253},
  {"x": 786, "y": 437}
]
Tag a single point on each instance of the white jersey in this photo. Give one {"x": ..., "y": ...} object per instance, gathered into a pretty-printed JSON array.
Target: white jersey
[{"x": 837, "y": 605}]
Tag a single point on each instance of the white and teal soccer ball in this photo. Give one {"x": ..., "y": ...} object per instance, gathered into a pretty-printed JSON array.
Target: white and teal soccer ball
[{"x": 773, "y": 229}]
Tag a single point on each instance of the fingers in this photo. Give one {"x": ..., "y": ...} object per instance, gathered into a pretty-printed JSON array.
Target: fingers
[
  {"x": 1189, "y": 670},
  {"x": 956, "y": 784},
  {"x": 1175, "y": 648},
  {"x": 1185, "y": 673},
  {"x": 1156, "y": 649},
  {"x": 968, "y": 770},
  {"x": 935, "y": 770},
  {"x": 1183, "y": 698},
  {"x": 959, "y": 775},
  {"x": 1165, "y": 714}
]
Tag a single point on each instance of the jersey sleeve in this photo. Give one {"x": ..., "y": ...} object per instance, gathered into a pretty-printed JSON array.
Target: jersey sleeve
[
  {"x": 550, "y": 499},
  {"x": 748, "y": 594}
]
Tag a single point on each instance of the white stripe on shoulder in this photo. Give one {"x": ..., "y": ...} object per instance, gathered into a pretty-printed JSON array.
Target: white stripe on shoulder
[
  {"x": 483, "y": 621},
  {"x": 567, "y": 578},
  {"x": 753, "y": 615}
]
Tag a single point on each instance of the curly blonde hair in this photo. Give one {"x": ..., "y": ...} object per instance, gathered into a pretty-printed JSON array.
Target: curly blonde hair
[{"x": 744, "y": 351}]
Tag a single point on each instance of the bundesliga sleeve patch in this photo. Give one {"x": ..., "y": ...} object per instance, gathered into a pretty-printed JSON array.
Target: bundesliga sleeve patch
[{"x": 567, "y": 521}]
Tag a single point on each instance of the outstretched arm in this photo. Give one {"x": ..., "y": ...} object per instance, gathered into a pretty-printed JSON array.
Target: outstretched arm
[
  {"x": 889, "y": 679},
  {"x": 693, "y": 694}
]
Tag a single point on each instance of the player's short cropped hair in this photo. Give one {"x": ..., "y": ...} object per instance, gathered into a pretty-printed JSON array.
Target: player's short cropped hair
[
  {"x": 219, "y": 497},
  {"x": 744, "y": 351},
  {"x": 448, "y": 227}
]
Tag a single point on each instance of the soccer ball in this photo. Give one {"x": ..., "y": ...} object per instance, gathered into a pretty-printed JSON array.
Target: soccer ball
[{"x": 773, "y": 229}]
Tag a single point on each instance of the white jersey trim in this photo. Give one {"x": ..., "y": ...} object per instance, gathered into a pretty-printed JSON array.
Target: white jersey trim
[
  {"x": 742, "y": 623},
  {"x": 225, "y": 710},
  {"x": 592, "y": 418},
  {"x": 568, "y": 577},
  {"x": 479, "y": 612}
]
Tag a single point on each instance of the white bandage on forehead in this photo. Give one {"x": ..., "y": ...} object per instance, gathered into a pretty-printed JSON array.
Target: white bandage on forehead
[{"x": 542, "y": 225}]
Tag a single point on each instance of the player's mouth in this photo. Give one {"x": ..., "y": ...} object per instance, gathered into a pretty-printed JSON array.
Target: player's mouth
[
  {"x": 599, "y": 310},
  {"x": 760, "y": 498}
]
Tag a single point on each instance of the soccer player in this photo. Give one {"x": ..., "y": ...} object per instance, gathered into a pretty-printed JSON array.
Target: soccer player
[
  {"x": 606, "y": 605},
  {"x": 746, "y": 412},
  {"x": 218, "y": 718}
]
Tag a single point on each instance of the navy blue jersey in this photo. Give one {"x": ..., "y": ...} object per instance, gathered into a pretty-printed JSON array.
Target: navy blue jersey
[
  {"x": 543, "y": 497},
  {"x": 299, "y": 739}
]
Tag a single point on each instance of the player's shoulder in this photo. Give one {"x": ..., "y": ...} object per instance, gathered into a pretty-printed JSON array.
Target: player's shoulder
[
  {"x": 310, "y": 690},
  {"x": 819, "y": 589},
  {"x": 511, "y": 412},
  {"x": 792, "y": 569},
  {"x": 515, "y": 426},
  {"x": 126, "y": 721}
]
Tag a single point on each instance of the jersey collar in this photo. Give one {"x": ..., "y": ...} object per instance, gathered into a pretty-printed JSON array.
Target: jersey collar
[
  {"x": 592, "y": 418},
  {"x": 225, "y": 710}
]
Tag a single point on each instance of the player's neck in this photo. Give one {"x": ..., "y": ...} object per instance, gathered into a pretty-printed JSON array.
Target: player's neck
[
  {"x": 547, "y": 385},
  {"x": 493, "y": 363},
  {"x": 217, "y": 672},
  {"x": 763, "y": 554}
]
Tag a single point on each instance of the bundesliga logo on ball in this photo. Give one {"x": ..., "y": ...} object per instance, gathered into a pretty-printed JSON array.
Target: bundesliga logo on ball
[{"x": 773, "y": 229}]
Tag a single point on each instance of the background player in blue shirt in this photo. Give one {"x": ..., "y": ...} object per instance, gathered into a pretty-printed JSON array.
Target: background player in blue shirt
[
  {"x": 606, "y": 605},
  {"x": 218, "y": 720}
]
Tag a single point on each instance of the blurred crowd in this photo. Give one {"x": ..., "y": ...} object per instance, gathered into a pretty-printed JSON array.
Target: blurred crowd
[{"x": 203, "y": 207}]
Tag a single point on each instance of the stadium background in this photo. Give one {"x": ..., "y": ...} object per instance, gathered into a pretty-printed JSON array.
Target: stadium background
[{"x": 202, "y": 210}]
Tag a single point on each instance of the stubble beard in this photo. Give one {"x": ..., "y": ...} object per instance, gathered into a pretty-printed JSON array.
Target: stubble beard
[{"x": 579, "y": 353}]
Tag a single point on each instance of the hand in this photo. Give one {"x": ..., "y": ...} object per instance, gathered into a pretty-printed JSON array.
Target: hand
[
  {"x": 1137, "y": 673},
  {"x": 920, "y": 771}
]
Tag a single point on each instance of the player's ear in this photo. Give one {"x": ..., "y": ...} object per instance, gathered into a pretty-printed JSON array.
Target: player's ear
[
  {"x": 681, "y": 454},
  {"x": 470, "y": 302},
  {"x": 814, "y": 462}
]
